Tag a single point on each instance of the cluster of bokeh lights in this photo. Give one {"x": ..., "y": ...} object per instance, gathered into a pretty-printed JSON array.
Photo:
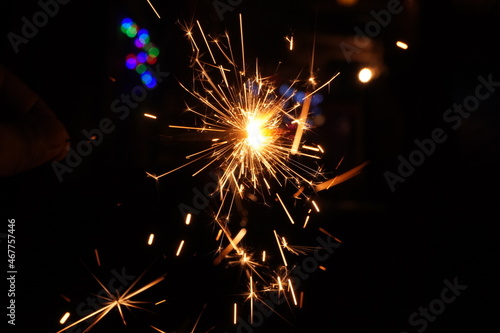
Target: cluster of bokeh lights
[{"x": 147, "y": 56}]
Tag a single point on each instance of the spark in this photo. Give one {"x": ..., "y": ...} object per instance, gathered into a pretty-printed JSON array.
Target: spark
[
  {"x": 111, "y": 301},
  {"x": 149, "y": 2},
  {"x": 233, "y": 244},
  {"x": 310, "y": 148},
  {"x": 198, "y": 319},
  {"x": 157, "y": 329},
  {"x": 284, "y": 207},
  {"x": 251, "y": 296},
  {"x": 197, "y": 128},
  {"x": 292, "y": 291},
  {"x": 307, "y": 220},
  {"x": 341, "y": 178},
  {"x": 179, "y": 248},
  {"x": 302, "y": 123},
  {"x": 330, "y": 235},
  {"x": 66, "y": 298},
  {"x": 295, "y": 249},
  {"x": 242, "y": 46},
  {"x": 290, "y": 41},
  {"x": 281, "y": 250},
  {"x": 97, "y": 257},
  {"x": 218, "y": 235},
  {"x": 280, "y": 284},
  {"x": 315, "y": 205},
  {"x": 188, "y": 219},
  {"x": 150, "y": 240},
  {"x": 64, "y": 318},
  {"x": 149, "y": 116},
  {"x": 235, "y": 314},
  {"x": 402, "y": 45}
]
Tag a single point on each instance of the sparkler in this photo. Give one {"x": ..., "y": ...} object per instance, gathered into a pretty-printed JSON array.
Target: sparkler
[
  {"x": 257, "y": 140},
  {"x": 250, "y": 124}
]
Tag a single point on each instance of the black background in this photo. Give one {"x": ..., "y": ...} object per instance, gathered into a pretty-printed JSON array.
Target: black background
[{"x": 397, "y": 248}]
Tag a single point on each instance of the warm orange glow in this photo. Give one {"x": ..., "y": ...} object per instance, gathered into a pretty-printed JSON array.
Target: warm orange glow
[{"x": 347, "y": 3}]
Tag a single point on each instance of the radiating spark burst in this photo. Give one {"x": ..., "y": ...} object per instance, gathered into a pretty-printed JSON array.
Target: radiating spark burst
[
  {"x": 118, "y": 302},
  {"x": 256, "y": 142},
  {"x": 297, "y": 249}
]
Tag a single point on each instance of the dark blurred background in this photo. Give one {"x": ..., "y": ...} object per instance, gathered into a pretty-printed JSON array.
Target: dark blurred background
[{"x": 398, "y": 246}]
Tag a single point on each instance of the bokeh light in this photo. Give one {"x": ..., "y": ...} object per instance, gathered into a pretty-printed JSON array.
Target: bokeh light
[
  {"x": 148, "y": 80},
  {"x": 131, "y": 61},
  {"x": 141, "y": 68},
  {"x": 148, "y": 56}
]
